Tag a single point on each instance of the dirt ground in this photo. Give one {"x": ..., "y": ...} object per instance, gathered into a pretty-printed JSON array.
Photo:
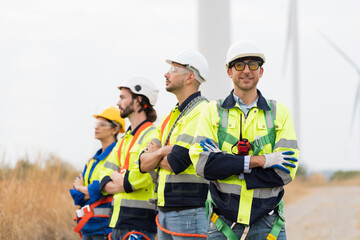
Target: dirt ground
[{"x": 322, "y": 210}]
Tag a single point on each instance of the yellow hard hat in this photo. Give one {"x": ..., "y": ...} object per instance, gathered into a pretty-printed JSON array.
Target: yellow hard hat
[{"x": 112, "y": 114}]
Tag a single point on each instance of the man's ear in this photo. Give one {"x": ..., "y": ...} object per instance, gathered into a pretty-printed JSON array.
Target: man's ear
[
  {"x": 229, "y": 72},
  {"x": 261, "y": 71},
  {"x": 190, "y": 77},
  {"x": 139, "y": 99}
]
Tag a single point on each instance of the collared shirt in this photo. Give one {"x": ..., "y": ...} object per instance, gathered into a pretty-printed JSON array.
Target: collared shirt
[
  {"x": 245, "y": 108},
  {"x": 99, "y": 156}
]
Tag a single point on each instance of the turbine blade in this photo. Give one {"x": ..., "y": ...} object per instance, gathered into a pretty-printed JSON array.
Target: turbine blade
[{"x": 339, "y": 51}]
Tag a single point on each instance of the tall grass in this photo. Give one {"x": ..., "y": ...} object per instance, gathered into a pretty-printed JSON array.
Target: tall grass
[{"x": 35, "y": 202}]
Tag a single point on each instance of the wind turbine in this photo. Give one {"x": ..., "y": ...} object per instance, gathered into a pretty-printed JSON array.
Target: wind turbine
[
  {"x": 214, "y": 40},
  {"x": 357, "y": 95},
  {"x": 292, "y": 41}
]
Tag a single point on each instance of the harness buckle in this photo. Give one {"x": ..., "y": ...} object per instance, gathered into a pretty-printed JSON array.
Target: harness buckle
[
  {"x": 153, "y": 200},
  {"x": 281, "y": 215},
  {"x": 258, "y": 142},
  {"x": 83, "y": 211}
]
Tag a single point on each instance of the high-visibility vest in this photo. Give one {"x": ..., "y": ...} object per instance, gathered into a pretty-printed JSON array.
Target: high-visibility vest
[
  {"x": 232, "y": 195},
  {"x": 100, "y": 208},
  {"x": 256, "y": 147},
  {"x": 130, "y": 207},
  {"x": 186, "y": 185}
]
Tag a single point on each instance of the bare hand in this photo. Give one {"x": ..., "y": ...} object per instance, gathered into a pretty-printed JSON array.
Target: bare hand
[
  {"x": 78, "y": 182},
  {"x": 153, "y": 146}
]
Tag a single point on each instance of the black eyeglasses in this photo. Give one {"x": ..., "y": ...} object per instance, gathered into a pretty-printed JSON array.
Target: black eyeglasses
[{"x": 240, "y": 66}]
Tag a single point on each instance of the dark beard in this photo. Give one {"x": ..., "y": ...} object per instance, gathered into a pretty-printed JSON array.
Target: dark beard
[{"x": 128, "y": 110}]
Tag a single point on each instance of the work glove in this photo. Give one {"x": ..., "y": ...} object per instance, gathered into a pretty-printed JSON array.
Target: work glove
[
  {"x": 208, "y": 146},
  {"x": 280, "y": 160}
]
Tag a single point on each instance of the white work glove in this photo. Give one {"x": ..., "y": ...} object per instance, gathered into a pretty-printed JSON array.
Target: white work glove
[
  {"x": 280, "y": 160},
  {"x": 208, "y": 146}
]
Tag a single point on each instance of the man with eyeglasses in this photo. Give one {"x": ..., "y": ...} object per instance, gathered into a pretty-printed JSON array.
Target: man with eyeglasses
[
  {"x": 181, "y": 194},
  {"x": 246, "y": 146}
]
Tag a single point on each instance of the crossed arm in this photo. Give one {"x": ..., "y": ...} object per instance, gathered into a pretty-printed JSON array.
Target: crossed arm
[
  {"x": 155, "y": 156},
  {"x": 116, "y": 185}
]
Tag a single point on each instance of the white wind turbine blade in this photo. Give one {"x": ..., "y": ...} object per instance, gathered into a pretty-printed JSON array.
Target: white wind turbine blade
[
  {"x": 340, "y": 51},
  {"x": 357, "y": 95}
]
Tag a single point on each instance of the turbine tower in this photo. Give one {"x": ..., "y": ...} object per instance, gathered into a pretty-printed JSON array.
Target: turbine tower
[
  {"x": 213, "y": 42},
  {"x": 292, "y": 41}
]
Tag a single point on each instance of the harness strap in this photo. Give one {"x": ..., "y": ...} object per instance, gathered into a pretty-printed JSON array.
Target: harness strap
[
  {"x": 220, "y": 224},
  {"x": 193, "y": 103},
  {"x": 126, "y": 164},
  {"x": 223, "y": 227},
  {"x": 90, "y": 213},
  {"x": 257, "y": 145},
  {"x": 223, "y": 135},
  {"x": 278, "y": 224},
  {"x": 164, "y": 124}
]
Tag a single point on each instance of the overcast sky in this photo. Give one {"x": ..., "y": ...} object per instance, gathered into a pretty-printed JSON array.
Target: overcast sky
[{"x": 61, "y": 61}]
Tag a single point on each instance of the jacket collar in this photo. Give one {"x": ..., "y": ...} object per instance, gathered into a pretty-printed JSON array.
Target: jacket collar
[
  {"x": 134, "y": 131},
  {"x": 100, "y": 155},
  {"x": 188, "y": 100},
  {"x": 229, "y": 102}
]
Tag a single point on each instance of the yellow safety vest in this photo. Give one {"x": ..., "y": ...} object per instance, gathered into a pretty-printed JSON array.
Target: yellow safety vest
[
  {"x": 232, "y": 195},
  {"x": 184, "y": 189},
  {"x": 132, "y": 207}
]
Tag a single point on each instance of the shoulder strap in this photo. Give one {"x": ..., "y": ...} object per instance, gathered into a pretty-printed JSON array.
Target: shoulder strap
[
  {"x": 223, "y": 135},
  {"x": 163, "y": 125},
  {"x": 126, "y": 164},
  {"x": 258, "y": 144},
  {"x": 187, "y": 109}
]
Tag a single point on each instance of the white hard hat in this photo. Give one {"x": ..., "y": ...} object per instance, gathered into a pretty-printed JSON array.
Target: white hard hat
[
  {"x": 241, "y": 49},
  {"x": 194, "y": 61},
  {"x": 142, "y": 86}
]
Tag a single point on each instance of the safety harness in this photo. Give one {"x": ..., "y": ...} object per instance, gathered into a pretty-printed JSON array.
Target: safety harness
[
  {"x": 257, "y": 145},
  {"x": 89, "y": 211},
  {"x": 127, "y": 157},
  {"x": 193, "y": 103}
]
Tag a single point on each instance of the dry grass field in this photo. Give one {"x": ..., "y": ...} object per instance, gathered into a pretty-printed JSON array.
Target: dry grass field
[{"x": 35, "y": 204}]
